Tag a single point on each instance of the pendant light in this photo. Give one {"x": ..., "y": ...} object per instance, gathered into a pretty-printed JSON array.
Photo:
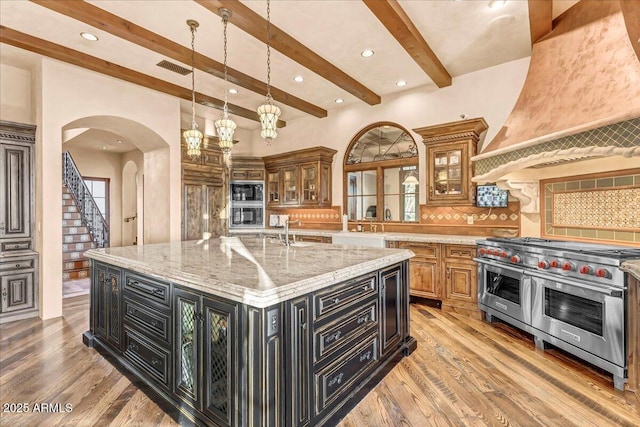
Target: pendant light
[
  {"x": 193, "y": 137},
  {"x": 268, "y": 112},
  {"x": 225, "y": 126}
]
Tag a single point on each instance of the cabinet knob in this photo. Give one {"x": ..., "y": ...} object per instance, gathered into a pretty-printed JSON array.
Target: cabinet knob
[
  {"x": 18, "y": 265},
  {"x": 4, "y": 294}
]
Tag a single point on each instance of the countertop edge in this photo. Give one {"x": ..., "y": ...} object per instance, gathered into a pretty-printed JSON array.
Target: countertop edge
[{"x": 254, "y": 298}]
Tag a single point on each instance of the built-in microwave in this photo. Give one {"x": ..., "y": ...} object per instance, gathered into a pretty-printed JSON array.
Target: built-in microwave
[{"x": 246, "y": 204}]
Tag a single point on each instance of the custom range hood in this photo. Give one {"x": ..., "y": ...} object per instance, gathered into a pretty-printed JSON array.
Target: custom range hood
[{"x": 581, "y": 97}]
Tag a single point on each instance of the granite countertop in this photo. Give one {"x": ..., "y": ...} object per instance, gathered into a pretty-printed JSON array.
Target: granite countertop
[
  {"x": 254, "y": 271},
  {"x": 395, "y": 237},
  {"x": 632, "y": 267}
]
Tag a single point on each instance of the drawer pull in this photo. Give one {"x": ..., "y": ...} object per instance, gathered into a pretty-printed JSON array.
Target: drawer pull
[
  {"x": 148, "y": 289},
  {"x": 366, "y": 288},
  {"x": 155, "y": 323},
  {"x": 333, "y": 337},
  {"x": 4, "y": 294},
  {"x": 16, "y": 246},
  {"x": 303, "y": 326},
  {"x": 336, "y": 300},
  {"x": 363, "y": 319},
  {"x": 18, "y": 265},
  {"x": 155, "y": 362},
  {"x": 365, "y": 356},
  {"x": 336, "y": 380},
  {"x": 133, "y": 347}
]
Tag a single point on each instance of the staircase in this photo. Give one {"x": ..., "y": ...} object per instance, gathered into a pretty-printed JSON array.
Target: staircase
[{"x": 75, "y": 240}]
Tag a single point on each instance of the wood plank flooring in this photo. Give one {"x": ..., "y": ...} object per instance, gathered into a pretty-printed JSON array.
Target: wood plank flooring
[{"x": 464, "y": 373}]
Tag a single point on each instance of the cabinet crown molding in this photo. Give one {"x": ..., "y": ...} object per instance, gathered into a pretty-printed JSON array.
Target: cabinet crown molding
[
  {"x": 471, "y": 128},
  {"x": 324, "y": 154}
]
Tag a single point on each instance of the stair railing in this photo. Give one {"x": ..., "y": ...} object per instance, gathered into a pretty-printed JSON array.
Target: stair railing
[{"x": 90, "y": 214}]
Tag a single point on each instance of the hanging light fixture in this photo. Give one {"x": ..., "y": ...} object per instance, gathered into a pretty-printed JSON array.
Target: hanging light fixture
[
  {"x": 193, "y": 137},
  {"x": 225, "y": 126},
  {"x": 268, "y": 112}
]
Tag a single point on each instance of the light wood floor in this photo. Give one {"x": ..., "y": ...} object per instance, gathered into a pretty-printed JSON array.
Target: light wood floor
[{"x": 464, "y": 373}]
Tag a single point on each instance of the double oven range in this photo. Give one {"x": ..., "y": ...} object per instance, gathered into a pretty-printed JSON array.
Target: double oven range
[{"x": 569, "y": 294}]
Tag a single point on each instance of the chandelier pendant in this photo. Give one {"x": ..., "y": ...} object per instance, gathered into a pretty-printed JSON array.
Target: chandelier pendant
[
  {"x": 193, "y": 137},
  {"x": 268, "y": 112},
  {"x": 225, "y": 126}
]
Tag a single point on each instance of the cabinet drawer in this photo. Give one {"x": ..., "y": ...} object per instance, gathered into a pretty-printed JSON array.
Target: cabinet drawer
[
  {"x": 148, "y": 357},
  {"x": 425, "y": 250},
  {"x": 152, "y": 322},
  {"x": 347, "y": 327},
  {"x": 238, "y": 174},
  {"x": 16, "y": 245},
  {"x": 336, "y": 379},
  {"x": 12, "y": 264},
  {"x": 459, "y": 251},
  {"x": 150, "y": 289},
  {"x": 340, "y": 296},
  {"x": 255, "y": 175}
]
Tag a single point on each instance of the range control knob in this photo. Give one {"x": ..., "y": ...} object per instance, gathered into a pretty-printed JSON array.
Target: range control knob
[
  {"x": 494, "y": 252},
  {"x": 554, "y": 263},
  {"x": 515, "y": 259},
  {"x": 601, "y": 272},
  {"x": 503, "y": 254},
  {"x": 543, "y": 265},
  {"x": 586, "y": 269},
  {"x": 482, "y": 251},
  {"x": 567, "y": 266}
]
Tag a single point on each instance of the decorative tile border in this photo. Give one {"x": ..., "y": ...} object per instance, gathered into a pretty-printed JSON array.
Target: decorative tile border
[
  {"x": 457, "y": 215},
  {"x": 600, "y": 207},
  {"x": 622, "y": 134}
]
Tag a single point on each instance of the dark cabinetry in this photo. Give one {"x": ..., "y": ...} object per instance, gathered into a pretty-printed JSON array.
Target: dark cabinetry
[
  {"x": 18, "y": 261},
  {"x": 299, "y": 178},
  {"x": 106, "y": 292},
  {"x": 206, "y": 349}
]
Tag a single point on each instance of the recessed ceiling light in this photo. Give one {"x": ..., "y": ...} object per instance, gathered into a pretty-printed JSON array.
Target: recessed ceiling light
[
  {"x": 496, "y": 4},
  {"x": 104, "y": 147},
  {"x": 119, "y": 141},
  {"x": 298, "y": 79},
  {"x": 401, "y": 83},
  {"x": 339, "y": 101},
  {"x": 233, "y": 91},
  {"x": 89, "y": 36},
  {"x": 367, "y": 53}
]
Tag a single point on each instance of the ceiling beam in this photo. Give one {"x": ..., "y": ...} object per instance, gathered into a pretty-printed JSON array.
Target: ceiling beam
[
  {"x": 255, "y": 25},
  {"x": 398, "y": 23},
  {"x": 120, "y": 27},
  {"x": 74, "y": 57},
  {"x": 540, "y": 19}
]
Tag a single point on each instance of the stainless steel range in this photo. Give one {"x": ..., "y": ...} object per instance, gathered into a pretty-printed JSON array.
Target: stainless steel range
[{"x": 568, "y": 294}]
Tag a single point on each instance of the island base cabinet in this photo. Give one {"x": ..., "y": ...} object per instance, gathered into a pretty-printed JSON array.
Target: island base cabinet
[
  {"x": 206, "y": 355},
  {"x": 107, "y": 303}
]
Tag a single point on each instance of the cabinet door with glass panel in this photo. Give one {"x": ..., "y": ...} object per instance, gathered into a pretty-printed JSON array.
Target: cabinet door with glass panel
[
  {"x": 382, "y": 175},
  {"x": 448, "y": 179},
  {"x": 290, "y": 181},
  {"x": 273, "y": 187},
  {"x": 310, "y": 185}
]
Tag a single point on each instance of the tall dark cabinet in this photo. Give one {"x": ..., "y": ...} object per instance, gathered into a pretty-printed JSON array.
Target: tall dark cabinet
[{"x": 18, "y": 259}]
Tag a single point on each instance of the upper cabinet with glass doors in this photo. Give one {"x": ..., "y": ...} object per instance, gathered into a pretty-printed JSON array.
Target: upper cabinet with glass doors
[
  {"x": 302, "y": 177},
  {"x": 381, "y": 175},
  {"x": 450, "y": 147}
]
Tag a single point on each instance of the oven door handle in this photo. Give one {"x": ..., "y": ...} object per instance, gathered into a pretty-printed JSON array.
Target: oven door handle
[
  {"x": 493, "y": 264},
  {"x": 602, "y": 289}
]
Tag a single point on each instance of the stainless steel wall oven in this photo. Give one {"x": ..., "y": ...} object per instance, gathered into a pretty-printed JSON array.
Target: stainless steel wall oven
[
  {"x": 246, "y": 204},
  {"x": 569, "y": 294}
]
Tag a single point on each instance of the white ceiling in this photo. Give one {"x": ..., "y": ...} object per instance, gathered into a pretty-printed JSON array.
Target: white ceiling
[
  {"x": 465, "y": 35},
  {"x": 95, "y": 139}
]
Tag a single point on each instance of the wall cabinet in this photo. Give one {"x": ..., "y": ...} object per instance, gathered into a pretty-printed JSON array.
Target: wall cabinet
[
  {"x": 450, "y": 147},
  {"x": 247, "y": 169},
  {"x": 18, "y": 260},
  {"x": 299, "y": 178},
  {"x": 204, "y": 193},
  {"x": 444, "y": 272}
]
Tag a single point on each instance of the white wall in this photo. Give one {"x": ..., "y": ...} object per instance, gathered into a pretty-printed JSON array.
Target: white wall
[
  {"x": 16, "y": 97},
  {"x": 489, "y": 93}
]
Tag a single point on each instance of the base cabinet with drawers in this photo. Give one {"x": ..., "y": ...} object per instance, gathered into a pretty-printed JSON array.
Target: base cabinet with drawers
[
  {"x": 445, "y": 273},
  {"x": 302, "y": 362}
]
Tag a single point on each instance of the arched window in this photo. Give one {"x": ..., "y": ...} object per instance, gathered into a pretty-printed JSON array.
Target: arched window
[{"x": 381, "y": 174}]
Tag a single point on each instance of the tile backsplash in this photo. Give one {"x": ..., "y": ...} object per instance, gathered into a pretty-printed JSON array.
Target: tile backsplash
[{"x": 601, "y": 207}]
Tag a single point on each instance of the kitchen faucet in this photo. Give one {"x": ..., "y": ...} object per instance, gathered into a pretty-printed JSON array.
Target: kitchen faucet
[{"x": 286, "y": 229}]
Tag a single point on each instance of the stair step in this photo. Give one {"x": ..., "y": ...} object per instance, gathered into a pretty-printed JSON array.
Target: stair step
[
  {"x": 77, "y": 247},
  {"x": 71, "y": 215},
  {"x": 69, "y": 208},
  {"x": 72, "y": 223},
  {"x": 80, "y": 237},
  {"x": 68, "y": 202},
  {"x": 75, "y": 230},
  {"x": 71, "y": 275},
  {"x": 73, "y": 256},
  {"x": 76, "y": 265},
  {"x": 66, "y": 194}
]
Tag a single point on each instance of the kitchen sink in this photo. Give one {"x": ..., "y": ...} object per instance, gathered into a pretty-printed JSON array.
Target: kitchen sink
[{"x": 372, "y": 240}]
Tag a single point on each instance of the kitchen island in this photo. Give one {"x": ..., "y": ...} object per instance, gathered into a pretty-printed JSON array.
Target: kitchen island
[{"x": 249, "y": 332}]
